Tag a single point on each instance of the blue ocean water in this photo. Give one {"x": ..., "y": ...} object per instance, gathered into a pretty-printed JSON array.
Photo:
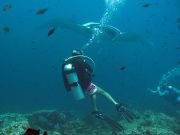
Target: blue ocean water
[{"x": 30, "y": 68}]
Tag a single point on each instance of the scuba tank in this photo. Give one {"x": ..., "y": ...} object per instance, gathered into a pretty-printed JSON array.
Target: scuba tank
[{"x": 73, "y": 82}]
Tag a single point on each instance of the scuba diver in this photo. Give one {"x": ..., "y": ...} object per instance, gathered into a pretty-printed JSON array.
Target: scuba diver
[
  {"x": 167, "y": 87},
  {"x": 169, "y": 93},
  {"x": 77, "y": 71}
]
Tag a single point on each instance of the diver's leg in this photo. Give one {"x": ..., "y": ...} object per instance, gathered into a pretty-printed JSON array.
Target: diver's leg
[
  {"x": 106, "y": 95},
  {"x": 93, "y": 99},
  {"x": 128, "y": 115}
]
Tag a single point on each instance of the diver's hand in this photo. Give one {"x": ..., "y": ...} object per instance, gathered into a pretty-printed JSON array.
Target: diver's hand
[
  {"x": 125, "y": 113},
  {"x": 98, "y": 114}
]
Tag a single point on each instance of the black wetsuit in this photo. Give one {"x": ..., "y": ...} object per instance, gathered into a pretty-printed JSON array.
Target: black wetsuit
[{"x": 83, "y": 70}]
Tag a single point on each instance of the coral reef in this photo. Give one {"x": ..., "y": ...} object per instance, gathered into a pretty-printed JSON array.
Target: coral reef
[
  {"x": 47, "y": 119},
  {"x": 66, "y": 123},
  {"x": 13, "y": 124}
]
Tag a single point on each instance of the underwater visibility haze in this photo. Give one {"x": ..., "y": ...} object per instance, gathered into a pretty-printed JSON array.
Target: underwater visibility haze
[{"x": 135, "y": 45}]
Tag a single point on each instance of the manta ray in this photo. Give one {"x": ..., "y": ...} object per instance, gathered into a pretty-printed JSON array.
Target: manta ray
[{"x": 105, "y": 32}]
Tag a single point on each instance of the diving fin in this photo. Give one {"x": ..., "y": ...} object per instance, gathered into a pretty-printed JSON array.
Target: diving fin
[{"x": 113, "y": 124}]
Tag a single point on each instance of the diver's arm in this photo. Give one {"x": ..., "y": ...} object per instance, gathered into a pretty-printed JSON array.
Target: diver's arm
[
  {"x": 174, "y": 89},
  {"x": 159, "y": 91}
]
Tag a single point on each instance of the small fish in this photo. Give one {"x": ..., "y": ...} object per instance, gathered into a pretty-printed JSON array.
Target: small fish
[
  {"x": 178, "y": 48},
  {"x": 51, "y": 31},
  {"x": 41, "y": 11},
  {"x": 33, "y": 42},
  {"x": 122, "y": 67},
  {"x": 178, "y": 27},
  {"x": 146, "y": 5},
  {"x": 7, "y": 7},
  {"x": 34, "y": 48},
  {"x": 178, "y": 20},
  {"x": 178, "y": 62},
  {"x": 6, "y": 29}
]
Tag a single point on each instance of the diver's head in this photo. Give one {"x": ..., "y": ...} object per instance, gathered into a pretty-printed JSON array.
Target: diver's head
[{"x": 76, "y": 52}]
